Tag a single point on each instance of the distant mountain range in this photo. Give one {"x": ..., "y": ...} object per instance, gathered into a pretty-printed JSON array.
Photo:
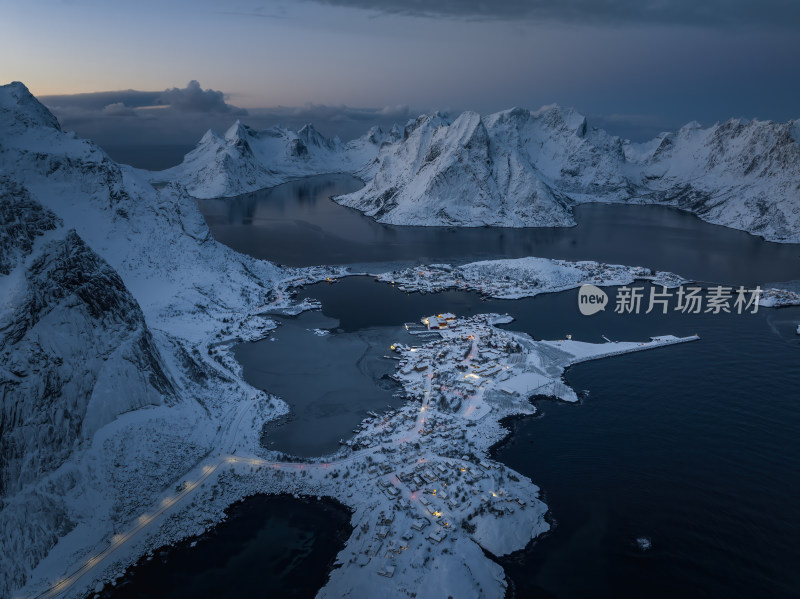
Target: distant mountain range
[
  {"x": 521, "y": 168},
  {"x": 245, "y": 159}
]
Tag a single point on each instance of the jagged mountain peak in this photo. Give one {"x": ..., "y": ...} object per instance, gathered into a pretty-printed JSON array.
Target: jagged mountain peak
[
  {"x": 466, "y": 130},
  {"x": 210, "y": 137},
  {"x": 566, "y": 114},
  {"x": 104, "y": 297},
  {"x": 374, "y": 135},
  {"x": 552, "y": 116},
  {"x": 308, "y": 130},
  {"x": 247, "y": 159},
  {"x": 311, "y": 137},
  {"x": 20, "y": 109},
  {"x": 431, "y": 121},
  {"x": 528, "y": 168},
  {"x": 395, "y": 133},
  {"x": 237, "y": 131}
]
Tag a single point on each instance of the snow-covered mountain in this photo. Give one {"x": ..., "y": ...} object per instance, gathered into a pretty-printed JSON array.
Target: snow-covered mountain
[
  {"x": 245, "y": 159},
  {"x": 116, "y": 391},
  {"x": 511, "y": 167},
  {"x": 109, "y": 289},
  {"x": 741, "y": 174},
  {"x": 72, "y": 335},
  {"x": 519, "y": 168}
]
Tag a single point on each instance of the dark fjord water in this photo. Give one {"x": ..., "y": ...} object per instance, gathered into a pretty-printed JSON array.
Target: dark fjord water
[
  {"x": 330, "y": 382},
  {"x": 692, "y": 446},
  {"x": 297, "y": 224},
  {"x": 270, "y": 546}
]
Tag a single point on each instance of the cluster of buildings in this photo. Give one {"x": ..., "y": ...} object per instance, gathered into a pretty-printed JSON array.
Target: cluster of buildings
[
  {"x": 426, "y": 459},
  {"x": 428, "y": 503}
]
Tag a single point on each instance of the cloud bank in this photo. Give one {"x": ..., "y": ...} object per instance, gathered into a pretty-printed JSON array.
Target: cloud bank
[
  {"x": 190, "y": 99},
  {"x": 170, "y": 122},
  {"x": 703, "y": 13},
  {"x": 123, "y": 121},
  {"x": 194, "y": 98}
]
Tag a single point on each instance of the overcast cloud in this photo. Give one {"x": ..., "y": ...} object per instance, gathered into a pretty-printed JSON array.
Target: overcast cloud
[
  {"x": 194, "y": 98},
  {"x": 120, "y": 121},
  {"x": 783, "y": 13}
]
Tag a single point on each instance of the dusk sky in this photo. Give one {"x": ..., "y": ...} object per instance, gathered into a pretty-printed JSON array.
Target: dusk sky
[{"x": 634, "y": 67}]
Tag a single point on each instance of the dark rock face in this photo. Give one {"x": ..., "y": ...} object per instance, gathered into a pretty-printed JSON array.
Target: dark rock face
[
  {"x": 75, "y": 351},
  {"x": 297, "y": 148},
  {"x": 22, "y": 220}
]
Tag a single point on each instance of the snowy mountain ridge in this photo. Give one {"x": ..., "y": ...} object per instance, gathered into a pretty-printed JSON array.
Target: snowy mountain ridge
[
  {"x": 245, "y": 159},
  {"x": 109, "y": 293},
  {"x": 521, "y": 168},
  {"x": 116, "y": 387}
]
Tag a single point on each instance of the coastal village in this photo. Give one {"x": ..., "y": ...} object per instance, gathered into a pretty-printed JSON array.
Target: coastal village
[
  {"x": 428, "y": 501},
  {"x": 427, "y": 498},
  {"x": 429, "y": 505},
  {"x": 526, "y": 277}
]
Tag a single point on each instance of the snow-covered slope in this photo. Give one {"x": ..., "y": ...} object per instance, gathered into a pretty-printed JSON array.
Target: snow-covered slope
[
  {"x": 157, "y": 241},
  {"x": 519, "y": 168},
  {"x": 740, "y": 174},
  {"x": 522, "y": 277},
  {"x": 71, "y": 335},
  {"x": 515, "y": 167},
  {"x": 245, "y": 159},
  {"x": 109, "y": 290}
]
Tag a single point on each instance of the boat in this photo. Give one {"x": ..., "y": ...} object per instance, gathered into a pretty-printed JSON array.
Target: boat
[{"x": 798, "y": 329}]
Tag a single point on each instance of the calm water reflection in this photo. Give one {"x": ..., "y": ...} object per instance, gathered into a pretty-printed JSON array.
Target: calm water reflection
[{"x": 298, "y": 225}]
